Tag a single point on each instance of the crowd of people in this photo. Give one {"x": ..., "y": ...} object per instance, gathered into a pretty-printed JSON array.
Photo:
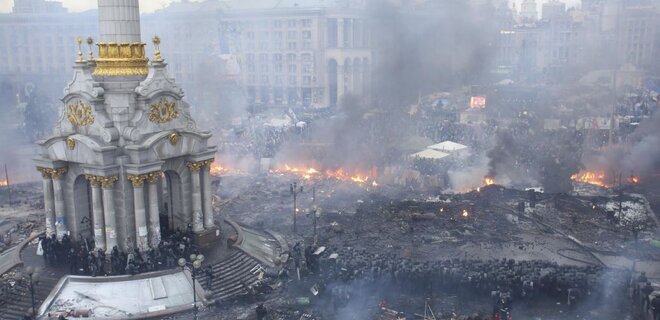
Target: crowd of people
[
  {"x": 505, "y": 280},
  {"x": 81, "y": 258}
]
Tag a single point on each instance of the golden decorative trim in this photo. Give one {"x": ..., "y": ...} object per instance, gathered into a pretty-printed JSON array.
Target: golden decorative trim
[
  {"x": 95, "y": 181},
  {"x": 108, "y": 182},
  {"x": 157, "y": 57},
  {"x": 80, "y": 54},
  {"x": 90, "y": 42},
  {"x": 174, "y": 138},
  {"x": 207, "y": 164},
  {"x": 45, "y": 172},
  {"x": 152, "y": 177},
  {"x": 80, "y": 114},
  {"x": 121, "y": 59},
  {"x": 195, "y": 166},
  {"x": 57, "y": 174},
  {"x": 70, "y": 143},
  {"x": 163, "y": 111},
  {"x": 138, "y": 181}
]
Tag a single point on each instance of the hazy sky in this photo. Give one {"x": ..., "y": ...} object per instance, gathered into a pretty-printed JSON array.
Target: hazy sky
[
  {"x": 151, "y": 5},
  {"x": 82, "y": 5}
]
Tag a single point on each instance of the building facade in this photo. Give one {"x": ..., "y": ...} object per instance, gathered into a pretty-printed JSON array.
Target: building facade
[
  {"x": 126, "y": 160},
  {"x": 292, "y": 54}
]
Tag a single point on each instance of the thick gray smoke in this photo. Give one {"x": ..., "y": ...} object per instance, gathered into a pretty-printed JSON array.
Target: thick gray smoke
[
  {"x": 638, "y": 156},
  {"x": 415, "y": 50}
]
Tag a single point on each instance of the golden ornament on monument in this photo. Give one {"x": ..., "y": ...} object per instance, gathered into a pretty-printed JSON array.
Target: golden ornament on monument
[
  {"x": 163, "y": 111},
  {"x": 80, "y": 114},
  {"x": 70, "y": 143}
]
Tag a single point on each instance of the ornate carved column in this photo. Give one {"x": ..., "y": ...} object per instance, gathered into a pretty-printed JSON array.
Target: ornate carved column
[
  {"x": 108, "y": 184},
  {"x": 97, "y": 211},
  {"x": 154, "y": 219},
  {"x": 340, "y": 32},
  {"x": 141, "y": 232},
  {"x": 49, "y": 204},
  {"x": 58, "y": 195},
  {"x": 195, "y": 186},
  {"x": 206, "y": 194},
  {"x": 340, "y": 82}
]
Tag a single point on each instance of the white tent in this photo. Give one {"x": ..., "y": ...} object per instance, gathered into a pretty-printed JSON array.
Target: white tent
[
  {"x": 448, "y": 146},
  {"x": 430, "y": 154}
]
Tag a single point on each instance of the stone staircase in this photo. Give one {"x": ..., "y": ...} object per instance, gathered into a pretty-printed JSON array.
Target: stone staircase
[
  {"x": 16, "y": 301},
  {"x": 230, "y": 276}
]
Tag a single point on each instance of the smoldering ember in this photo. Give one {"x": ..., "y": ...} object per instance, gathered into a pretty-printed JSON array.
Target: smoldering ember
[{"x": 330, "y": 159}]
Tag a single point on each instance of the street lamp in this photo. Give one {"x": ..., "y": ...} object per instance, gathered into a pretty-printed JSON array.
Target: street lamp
[
  {"x": 33, "y": 275},
  {"x": 192, "y": 266},
  {"x": 316, "y": 212},
  {"x": 294, "y": 191}
]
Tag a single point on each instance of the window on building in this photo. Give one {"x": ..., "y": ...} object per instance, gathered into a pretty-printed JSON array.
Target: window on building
[
  {"x": 291, "y": 23},
  {"x": 278, "y": 67},
  {"x": 306, "y": 45},
  {"x": 277, "y": 57},
  {"x": 292, "y": 68},
  {"x": 306, "y": 57},
  {"x": 307, "y": 80},
  {"x": 277, "y": 23},
  {"x": 263, "y": 68},
  {"x": 307, "y": 68},
  {"x": 306, "y": 35},
  {"x": 291, "y": 45},
  {"x": 249, "y": 35},
  {"x": 279, "y": 80},
  {"x": 263, "y": 57},
  {"x": 264, "y": 79},
  {"x": 293, "y": 81},
  {"x": 291, "y": 57},
  {"x": 291, "y": 35},
  {"x": 306, "y": 23}
]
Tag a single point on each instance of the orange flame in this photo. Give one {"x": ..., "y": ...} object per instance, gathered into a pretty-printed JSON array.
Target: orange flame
[
  {"x": 633, "y": 179},
  {"x": 489, "y": 181},
  {"x": 465, "y": 213},
  {"x": 217, "y": 169},
  {"x": 4, "y": 183},
  {"x": 311, "y": 173},
  {"x": 591, "y": 177}
]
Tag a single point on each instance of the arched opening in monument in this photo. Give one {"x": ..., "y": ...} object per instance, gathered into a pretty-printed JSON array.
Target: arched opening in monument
[
  {"x": 332, "y": 81},
  {"x": 82, "y": 204},
  {"x": 172, "y": 216}
]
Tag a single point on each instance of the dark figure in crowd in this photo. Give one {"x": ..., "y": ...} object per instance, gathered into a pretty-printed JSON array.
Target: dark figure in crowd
[{"x": 261, "y": 312}]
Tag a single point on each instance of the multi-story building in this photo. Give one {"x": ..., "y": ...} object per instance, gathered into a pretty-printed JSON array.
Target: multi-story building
[
  {"x": 293, "y": 53},
  {"x": 37, "y": 41}
]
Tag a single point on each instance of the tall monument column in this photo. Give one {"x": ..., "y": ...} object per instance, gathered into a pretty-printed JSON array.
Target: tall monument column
[
  {"x": 97, "y": 212},
  {"x": 49, "y": 204},
  {"x": 108, "y": 184},
  {"x": 140, "y": 212},
  {"x": 154, "y": 219},
  {"x": 58, "y": 192},
  {"x": 119, "y": 21},
  {"x": 206, "y": 195},
  {"x": 197, "y": 223}
]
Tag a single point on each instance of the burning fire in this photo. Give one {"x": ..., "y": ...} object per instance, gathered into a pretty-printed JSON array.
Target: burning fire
[
  {"x": 465, "y": 213},
  {"x": 633, "y": 179},
  {"x": 591, "y": 177},
  {"x": 489, "y": 181},
  {"x": 4, "y": 183},
  {"x": 339, "y": 174},
  {"x": 217, "y": 169}
]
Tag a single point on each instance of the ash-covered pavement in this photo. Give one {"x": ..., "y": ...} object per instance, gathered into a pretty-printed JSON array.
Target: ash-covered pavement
[{"x": 399, "y": 247}]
